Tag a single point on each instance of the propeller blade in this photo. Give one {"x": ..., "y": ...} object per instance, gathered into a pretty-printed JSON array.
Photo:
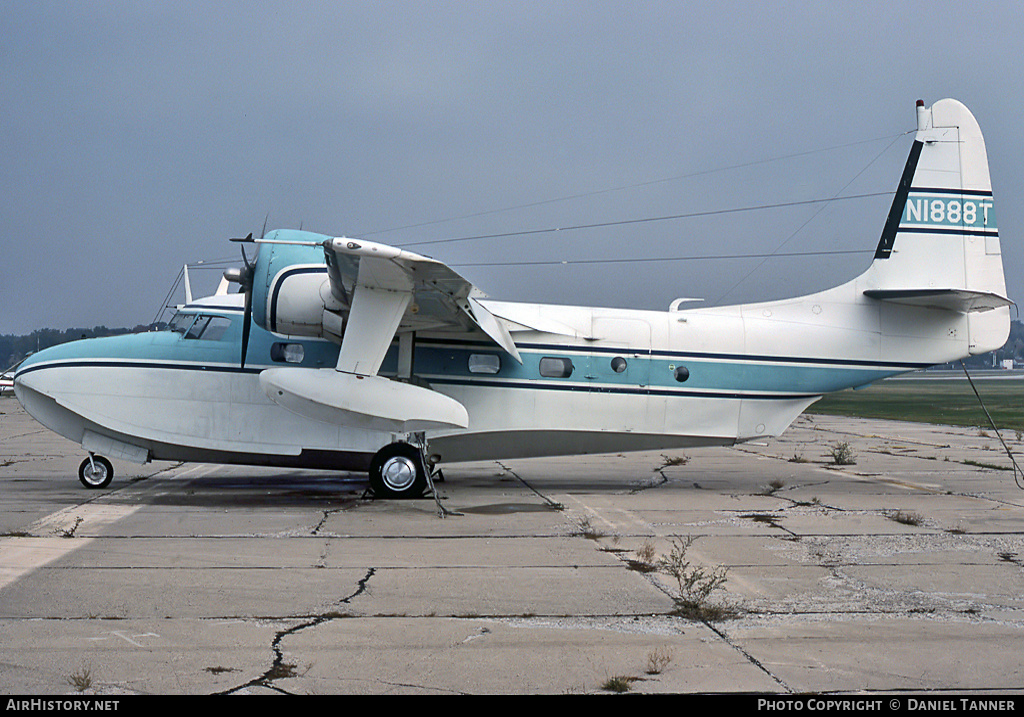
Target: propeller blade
[
  {"x": 245, "y": 280},
  {"x": 247, "y": 319}
]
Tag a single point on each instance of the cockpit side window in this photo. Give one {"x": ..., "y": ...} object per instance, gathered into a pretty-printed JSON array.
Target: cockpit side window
[
  {"x": 207, "y": 328},
  {"x": 197, "y": 328},
  {"x": 215, "y": 329}
]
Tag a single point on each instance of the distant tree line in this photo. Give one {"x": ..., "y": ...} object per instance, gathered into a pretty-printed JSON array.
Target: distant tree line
[
  {"x": 15, "y": 348},
  {"x": 1014, "y": 346}
]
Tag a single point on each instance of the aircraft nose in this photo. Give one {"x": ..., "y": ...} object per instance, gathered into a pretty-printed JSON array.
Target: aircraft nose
[
  {"x": 33, "y": 380},
  {"x": 39, "y": 371}
]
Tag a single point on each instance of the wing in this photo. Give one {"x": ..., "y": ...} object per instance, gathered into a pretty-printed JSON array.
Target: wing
[
  {"x": 388, "y": 290},
  {"x": 383, "y": 290}
]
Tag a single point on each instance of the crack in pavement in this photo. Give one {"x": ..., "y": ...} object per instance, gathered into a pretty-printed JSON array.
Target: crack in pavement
[
  {"x": 750, "y": 658},
  {"x": 648, "y": 485},
  {"x": 280, "y": 669}
]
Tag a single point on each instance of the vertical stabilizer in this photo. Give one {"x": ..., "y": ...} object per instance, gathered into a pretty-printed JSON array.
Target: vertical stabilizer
[{"x": 940, "y": 244}]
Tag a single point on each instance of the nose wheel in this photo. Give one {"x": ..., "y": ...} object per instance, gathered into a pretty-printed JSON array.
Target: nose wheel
[{"x": 95, "y": 472}]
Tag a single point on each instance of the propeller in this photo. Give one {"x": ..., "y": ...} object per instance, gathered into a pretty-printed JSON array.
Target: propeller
[{"x": 244, "y": 277}]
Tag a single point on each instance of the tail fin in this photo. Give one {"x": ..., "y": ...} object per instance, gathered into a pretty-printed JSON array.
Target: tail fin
[{"x": 940, "y": 244}]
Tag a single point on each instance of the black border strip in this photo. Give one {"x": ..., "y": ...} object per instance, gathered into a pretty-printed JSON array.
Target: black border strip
[
  {"x": 892, "y": 222},
  {"x": 957, "y": 232},
  {"x": 963, "y": 192},
  {"x": 655, "y": 354},
  {"x": 109, "y": 363},
  {"x": 627, "y": 390}
]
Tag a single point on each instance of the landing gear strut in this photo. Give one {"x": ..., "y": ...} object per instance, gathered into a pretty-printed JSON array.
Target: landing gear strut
[{"x": 95, "y": 472}]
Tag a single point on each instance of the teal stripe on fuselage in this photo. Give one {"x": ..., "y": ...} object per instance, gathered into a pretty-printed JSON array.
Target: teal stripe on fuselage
[
  {"x": 654, "y": 373},
  {"x": 174, "y": 350},
  {"x": 448, "y": 363}
]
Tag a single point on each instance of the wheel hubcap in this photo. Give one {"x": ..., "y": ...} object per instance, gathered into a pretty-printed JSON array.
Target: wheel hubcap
[
  {"x": 95, "y": 474},
  {"x": 398, "y": 473}
]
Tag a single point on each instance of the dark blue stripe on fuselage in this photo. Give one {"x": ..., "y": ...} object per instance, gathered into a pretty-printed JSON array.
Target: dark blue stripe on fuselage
[
  {"x": 659, "y": 354},
  {"x": 953, "y": 192},
  {"x": 952, "y": 230},
  {"x": 115, "y": 363}
]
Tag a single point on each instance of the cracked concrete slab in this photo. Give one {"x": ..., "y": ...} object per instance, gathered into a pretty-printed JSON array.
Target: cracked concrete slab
[
  {"x": 900, "y": 571},
  {"x": 877, "y": 653},
  {"x": 133, "y": 656},
  {"x": 518, "y": 656}
]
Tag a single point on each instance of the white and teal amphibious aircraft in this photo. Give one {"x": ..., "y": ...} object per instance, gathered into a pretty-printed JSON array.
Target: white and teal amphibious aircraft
[{"x": 369, "y": 357}]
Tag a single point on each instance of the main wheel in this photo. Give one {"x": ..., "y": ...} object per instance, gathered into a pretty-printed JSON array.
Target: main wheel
[
  {"x": 397, "y": 472},
  {"x": 96, "y": 473}
]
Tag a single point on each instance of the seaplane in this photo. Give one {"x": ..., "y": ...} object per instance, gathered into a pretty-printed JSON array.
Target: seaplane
[
  {"x": 6, "y": 383},
  {"x": 343, "y": 354}
]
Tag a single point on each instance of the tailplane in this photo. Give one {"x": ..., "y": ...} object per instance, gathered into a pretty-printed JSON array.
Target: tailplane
[{"x": 940, "y": 244}]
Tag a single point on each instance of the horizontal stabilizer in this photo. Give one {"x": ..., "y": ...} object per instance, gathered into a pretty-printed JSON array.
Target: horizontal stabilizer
[
  {"x": 963, "y": 301},
  {"x": 370, "y": 403}
]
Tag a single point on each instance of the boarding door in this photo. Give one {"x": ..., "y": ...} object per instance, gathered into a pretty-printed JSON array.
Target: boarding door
[{"x": 618, "y": 372}]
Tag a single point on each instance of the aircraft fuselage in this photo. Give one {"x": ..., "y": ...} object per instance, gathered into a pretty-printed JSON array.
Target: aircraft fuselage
[{"x": 631, "y": 380}]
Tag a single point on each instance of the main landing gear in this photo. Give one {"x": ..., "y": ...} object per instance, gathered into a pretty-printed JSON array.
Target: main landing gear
[
  {"x": 95, "y": 472},
  {"x": 398, "y": 471},
  {"x": 402, "y": 470}
]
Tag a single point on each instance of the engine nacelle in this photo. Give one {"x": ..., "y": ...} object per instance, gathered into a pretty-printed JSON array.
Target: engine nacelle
[{"x": 291, "y": 289}]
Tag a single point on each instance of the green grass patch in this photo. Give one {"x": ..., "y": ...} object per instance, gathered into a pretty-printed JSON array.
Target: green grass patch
[{"x": 942, "y": 401}]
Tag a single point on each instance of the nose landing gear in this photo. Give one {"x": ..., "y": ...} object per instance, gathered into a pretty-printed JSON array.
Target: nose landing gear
[{"x": 95, "y": 472}]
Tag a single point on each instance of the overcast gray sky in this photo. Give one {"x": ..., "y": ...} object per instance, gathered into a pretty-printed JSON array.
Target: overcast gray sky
[{"x": 139, "y": 136}]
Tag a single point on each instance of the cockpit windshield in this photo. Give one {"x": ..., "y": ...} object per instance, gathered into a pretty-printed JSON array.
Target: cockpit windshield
[{"x": 180, "y": 322}]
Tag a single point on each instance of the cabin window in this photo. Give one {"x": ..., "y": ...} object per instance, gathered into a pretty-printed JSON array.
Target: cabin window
[
  {"x": 287, "y": 353},
  {"x": 682, "y": 373},
  {"x": 618, "y": 364},
  {"x": 556, "y": 367},
  {"x": 484, "y": 363}
]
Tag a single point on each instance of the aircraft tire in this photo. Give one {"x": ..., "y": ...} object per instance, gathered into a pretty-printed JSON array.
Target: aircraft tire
[
  {"x": 98, "y": 477},
  {"x": 397, "y": 472}
]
